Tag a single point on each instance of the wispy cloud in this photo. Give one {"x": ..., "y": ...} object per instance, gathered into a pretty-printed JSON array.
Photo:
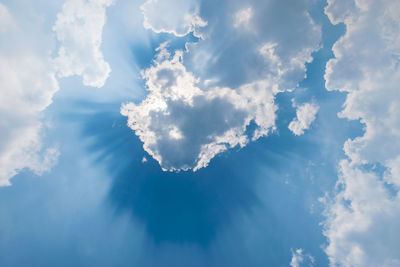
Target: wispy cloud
[{"x": 305, "y": 115}]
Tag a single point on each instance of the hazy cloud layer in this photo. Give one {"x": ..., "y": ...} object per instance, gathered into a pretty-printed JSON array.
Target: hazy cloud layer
[
  {"x": 246, "y": 41},
  {"x": 189, "y": 116},
  {"x": 178, "y": 17},
  {"x": 362, "y": 221}
]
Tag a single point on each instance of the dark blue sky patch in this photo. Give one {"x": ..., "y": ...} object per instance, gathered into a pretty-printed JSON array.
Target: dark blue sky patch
[
  {"x": 194, "y": 208},
  {"x": 175, "y": 206}
]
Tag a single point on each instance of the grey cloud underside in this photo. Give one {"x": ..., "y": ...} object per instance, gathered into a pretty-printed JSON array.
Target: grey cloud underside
[
  {"x": 201, "y": 101},
  {"x": 199, "y": 125}
]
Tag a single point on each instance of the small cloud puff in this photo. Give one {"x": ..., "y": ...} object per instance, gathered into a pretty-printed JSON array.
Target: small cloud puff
[
  {"x": 183, "y": 127},
  {"x": 305, "y": 115},
  {"x": 178, "y": 17},
  {"x": 300, "y": 259},
  {"x": 363, "y": 217}
]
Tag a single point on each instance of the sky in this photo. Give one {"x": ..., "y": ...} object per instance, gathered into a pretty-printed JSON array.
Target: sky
[{"x": 199, "y": 133}]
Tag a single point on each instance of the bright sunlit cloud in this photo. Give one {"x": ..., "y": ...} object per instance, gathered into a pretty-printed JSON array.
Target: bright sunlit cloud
[{"x": 197, "y": 133}]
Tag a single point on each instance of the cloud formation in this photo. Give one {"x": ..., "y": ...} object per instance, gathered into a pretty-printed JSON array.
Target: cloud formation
[
  {"x": 184, "y": 127},
  {"x": 6, "y": 20},
  {"x": 28, "y": 75},
  {"x": 246, "y": 41},
  {"x": 301, "y": 259},
  {"x": 188, "y": 116},
  {"x": 362, "y": 220},
  {"x": 243, "y": 17},
  {"x": 79, "y": 28},
  {"x": 178, "y": 17},
  {"x": 27, "y": 86},
  {"x": 305, "y": 115}
]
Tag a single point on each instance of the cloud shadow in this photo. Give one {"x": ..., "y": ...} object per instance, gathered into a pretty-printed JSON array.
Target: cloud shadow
[{"x": 176, "y": 207}]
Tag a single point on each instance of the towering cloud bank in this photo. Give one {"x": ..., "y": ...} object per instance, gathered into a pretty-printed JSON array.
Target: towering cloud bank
[
  {"x": 362, "y": 220},
  {"x": 305, "y": 115},
  {"x": 201, "y": 101},
  {"x": 27, "y": 86}
]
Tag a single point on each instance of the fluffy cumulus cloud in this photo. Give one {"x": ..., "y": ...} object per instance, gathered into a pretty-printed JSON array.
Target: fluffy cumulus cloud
[
  {"x": 178, "y": 17},
  {"x": 79, "y": 28},
  {"x": 305, "y": 115},
  {"x": 184, "y": 127},
  {"x": 28, "y": 76},
  {"x": 201, "y": 101},
  {"x": 362, "y": 220},
  {"x": 301, "y": 259},
  {"x": 27, "y": 86},
  {"x": 246, "y": 41}
]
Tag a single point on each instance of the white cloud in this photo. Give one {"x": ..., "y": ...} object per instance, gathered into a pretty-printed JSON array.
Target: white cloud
[
  {"x": 300, "y": 259},
  {"x": 305, "y": 115},
  {"x": 27, "y": 74},
  {"x": 27, "y": 86},
  {"x": 201, "y": 101},
  {"x": 178, "y": 17},
  {"x": 184, "y": 127},
  {"x": 79, "y": 29},
  {"x": 362, "y": 221},
  {"x": 6, "y": 21}
]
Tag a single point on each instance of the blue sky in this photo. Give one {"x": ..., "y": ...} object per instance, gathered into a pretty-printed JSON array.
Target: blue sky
[{"x": 190, "y": 133}]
